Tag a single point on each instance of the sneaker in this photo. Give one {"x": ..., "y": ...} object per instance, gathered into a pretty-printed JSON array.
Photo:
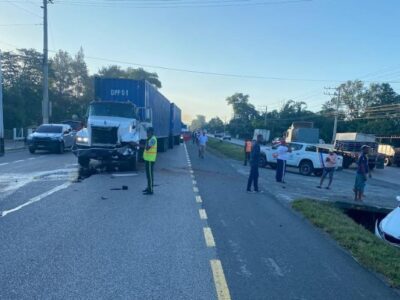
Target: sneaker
[
  {"x": 319, "y": 187},
  {"x": 249, "y": 191},
  {"x": 148, "y": 193},
  {"x": 328, "y": 188},
  {"x": 145, "y": 190},
  {"x": 259, "y": 191}
]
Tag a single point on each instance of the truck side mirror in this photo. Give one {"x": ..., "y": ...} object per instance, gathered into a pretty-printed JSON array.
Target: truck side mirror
[{"x": 148, "y": 114}]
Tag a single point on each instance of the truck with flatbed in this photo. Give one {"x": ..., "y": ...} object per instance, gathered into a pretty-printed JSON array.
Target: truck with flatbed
[
  {"x": 349, "y": 144},
  {"x": 118, "y": 119}
]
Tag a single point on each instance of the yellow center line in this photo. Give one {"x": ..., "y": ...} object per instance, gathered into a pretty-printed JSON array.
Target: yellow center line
[
  {"x": 210, "y": 242},
  {"x": 219, "y": 280}
]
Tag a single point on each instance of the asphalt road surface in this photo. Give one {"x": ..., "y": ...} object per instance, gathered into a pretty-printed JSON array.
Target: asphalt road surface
[
  {"x": 268, "y": 251},
  {"x": 65, "y": 235}
]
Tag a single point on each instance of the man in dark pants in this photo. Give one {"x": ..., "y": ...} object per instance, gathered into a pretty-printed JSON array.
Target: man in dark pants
[
  {"x": 281, "y": 157},
  {"x": 149, "y": 157},
  {"x": 254, "y": 161}
]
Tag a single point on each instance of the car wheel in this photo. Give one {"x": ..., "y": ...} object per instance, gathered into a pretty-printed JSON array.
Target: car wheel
[
  {"x": 83, "y": 162},
  {"x": 347, "y": 162},
  {"x": 263, "y": 161},
  {"x": 387, "y": 162},
  {"x": 32, "y": 150},
  {"x": 61, "y": 148},
  {"x": 306, "y": 168},
  {"x": 273, "y": 166}
]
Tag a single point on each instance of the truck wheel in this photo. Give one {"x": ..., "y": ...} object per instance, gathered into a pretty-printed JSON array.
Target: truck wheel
[
  {"x": 83, "y": 162},
  {"x": 388, "y": 162},
  {"x": 263, "y": 161},
  {"x": 133, "y": 163},
  {"x": 61, "y": 148},
  {"x": 32, "y": 150},
  {"x": 347, "y": 162},
  {"x": 306, "y": 168}
]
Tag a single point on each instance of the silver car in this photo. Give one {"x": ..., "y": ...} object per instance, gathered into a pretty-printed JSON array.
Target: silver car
[{"x": 51, "y": 137}]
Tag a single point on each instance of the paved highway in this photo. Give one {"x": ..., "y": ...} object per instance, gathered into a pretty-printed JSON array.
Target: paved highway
[{"x": 66, "y": 235}]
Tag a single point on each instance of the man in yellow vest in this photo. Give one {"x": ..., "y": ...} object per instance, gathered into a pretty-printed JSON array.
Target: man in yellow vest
[{"x": 149, "y": 157}]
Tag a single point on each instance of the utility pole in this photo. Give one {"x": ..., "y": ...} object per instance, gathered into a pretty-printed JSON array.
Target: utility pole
[
  {"x": 1, "y": 113},
  {"x": 45, "y": 103},
  {"x": 337, "y": 95},
  {"x": 264, "y": 109}
]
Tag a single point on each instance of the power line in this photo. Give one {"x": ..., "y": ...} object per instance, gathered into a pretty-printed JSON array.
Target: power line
[{"x": 23, "y": 8}]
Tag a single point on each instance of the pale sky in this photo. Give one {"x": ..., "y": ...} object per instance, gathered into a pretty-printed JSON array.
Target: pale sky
[{"x": 304, "y": 45}]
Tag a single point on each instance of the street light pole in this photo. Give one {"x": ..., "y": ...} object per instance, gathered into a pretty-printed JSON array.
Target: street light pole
[
  {"x": 45, "y": 103},
  {"x": 1, "y": 113}
]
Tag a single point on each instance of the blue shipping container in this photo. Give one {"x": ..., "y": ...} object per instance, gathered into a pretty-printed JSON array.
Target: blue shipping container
[
  {"x": 175, "y": 120},
  {"x": 142, "y": 94}
]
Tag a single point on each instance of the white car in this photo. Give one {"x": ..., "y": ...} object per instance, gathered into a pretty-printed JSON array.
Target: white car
[
  {"x": 388, "y": 229},
  {"x": 309, "y": 158}
]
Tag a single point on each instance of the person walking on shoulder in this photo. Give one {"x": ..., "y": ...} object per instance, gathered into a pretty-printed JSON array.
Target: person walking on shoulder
[
  {"x": 247, "y": 150},
  {"x": 281, "y": 157},
  {"x": 149, "y": 157},
  {"x": 203, "y": 139},
  {"x": 329, "y": 168},
  {"x": 361, "y": 175},
  {"x": 254, "y": 162}
]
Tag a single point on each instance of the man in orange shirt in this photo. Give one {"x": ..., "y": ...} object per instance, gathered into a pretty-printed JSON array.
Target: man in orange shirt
[{"x": 247, "y": 151}]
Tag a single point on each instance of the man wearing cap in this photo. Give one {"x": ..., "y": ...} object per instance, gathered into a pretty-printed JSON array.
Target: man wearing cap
[
  {"x": 361, "y": 175},
  {"x": 149, "y": 157}
]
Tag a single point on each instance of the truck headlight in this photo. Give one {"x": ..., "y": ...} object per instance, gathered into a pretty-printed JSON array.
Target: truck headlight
[{"x": 82, "y": 140}]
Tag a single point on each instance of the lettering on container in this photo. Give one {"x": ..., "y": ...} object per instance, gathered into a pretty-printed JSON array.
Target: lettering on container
[{"x": 119, "y": 92}]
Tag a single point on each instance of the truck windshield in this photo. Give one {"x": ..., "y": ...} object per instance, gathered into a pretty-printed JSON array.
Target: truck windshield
[{"x": 112, "y": 109}]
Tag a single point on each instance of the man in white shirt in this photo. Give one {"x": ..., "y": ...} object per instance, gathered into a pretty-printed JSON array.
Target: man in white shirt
[
  {"x": 281, "y": 157},
  {"x": 203, "y": 139}
]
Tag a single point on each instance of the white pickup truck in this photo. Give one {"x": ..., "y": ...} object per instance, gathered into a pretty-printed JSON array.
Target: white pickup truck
[{"x": 309, "y": 158}]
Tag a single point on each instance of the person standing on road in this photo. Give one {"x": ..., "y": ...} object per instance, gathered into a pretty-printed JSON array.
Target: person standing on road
[
  {"x": 361, "y": 175},
  {"x": 254, "y": 162},
  {"x": 247, "y": 151},
  {"x": 329, "y": 168},
  {"x": 281, "y": 157},
  {"x": 203, "y": 139},
  {"x": 149, "y": 157}
]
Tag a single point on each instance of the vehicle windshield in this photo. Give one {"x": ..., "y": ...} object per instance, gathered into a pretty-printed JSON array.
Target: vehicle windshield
[
  {"x": 112, "y": 109},
  {"x": 49, "y": 129}
]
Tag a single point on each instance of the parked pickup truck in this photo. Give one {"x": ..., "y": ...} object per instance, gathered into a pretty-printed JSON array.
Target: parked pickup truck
[{"x": 308, "y": 158}]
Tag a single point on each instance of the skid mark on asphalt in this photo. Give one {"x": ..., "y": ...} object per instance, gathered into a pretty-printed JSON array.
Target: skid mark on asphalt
[
  {"x": 271, "y": 263},
  {"x": 244, "y": 271},
  {"x": 37, "y": 198}
]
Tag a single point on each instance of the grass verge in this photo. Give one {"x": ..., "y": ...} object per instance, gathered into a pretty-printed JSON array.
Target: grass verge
[
  {"x": 227, "y": 149},
  {"x": 364, "y": 246}
]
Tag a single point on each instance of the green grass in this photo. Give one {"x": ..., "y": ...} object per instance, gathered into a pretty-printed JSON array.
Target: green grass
[
  {"x": 227, "y": 149},
  {"x": 364, "y": 246}
]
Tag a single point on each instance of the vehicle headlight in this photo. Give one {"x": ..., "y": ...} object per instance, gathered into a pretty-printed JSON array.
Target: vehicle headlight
[{"x": 82, "y": 139}]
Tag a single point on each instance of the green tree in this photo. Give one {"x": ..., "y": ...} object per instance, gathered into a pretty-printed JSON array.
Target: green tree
[
  {"x": 198, "y": 123},
  {"x": 215, "y": 125}
]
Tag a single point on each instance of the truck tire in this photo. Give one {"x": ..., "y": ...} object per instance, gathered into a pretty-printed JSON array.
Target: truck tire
[
  {"x": 32, "y": 150},
  {"x": 83, "y": 162},
  {"x": 388, "y": 161},
  {"x": 347, "y": 161},
  {"x": 306, "y": 168},
  {"x": 263, "y": 161},
  {"x": 133, "y": 162}
]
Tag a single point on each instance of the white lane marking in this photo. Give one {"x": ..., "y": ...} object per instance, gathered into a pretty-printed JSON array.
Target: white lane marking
[
  {"x": 208, "y": 236},
  {"x": 203, "y": 214},
  {"x": 18, "y": 161},
  {"x": 195, "y": 189},
  {"x": 198, "y": 199},
  {"x": 219, "y": 280},
  {"x": 124, "y": 175},
  {"x": 276, "y": 269},
  {"x": 191, "y": 171},
  {"x": 37, "y": 198},
  {"x": 4, "y": 164},
  {"x": 194, "y": 182},
  {"x": 192, "y": 176}
]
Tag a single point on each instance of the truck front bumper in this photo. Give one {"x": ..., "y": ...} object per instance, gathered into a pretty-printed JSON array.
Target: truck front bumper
[{"x": 104, "y": 153}]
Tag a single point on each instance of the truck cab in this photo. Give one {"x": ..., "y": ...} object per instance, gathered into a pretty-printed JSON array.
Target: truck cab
[{"x": 112, "y": 134}]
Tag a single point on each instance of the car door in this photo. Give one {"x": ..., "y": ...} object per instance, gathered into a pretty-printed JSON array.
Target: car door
[
  {"x": 67, "y": 136},
  {"x": 294, "y": 156}
]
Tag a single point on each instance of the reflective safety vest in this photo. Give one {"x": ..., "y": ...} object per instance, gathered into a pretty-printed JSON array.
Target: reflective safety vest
[
  {"x": 151, "y": 154},
  {"x": 248, "y": 146}
]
